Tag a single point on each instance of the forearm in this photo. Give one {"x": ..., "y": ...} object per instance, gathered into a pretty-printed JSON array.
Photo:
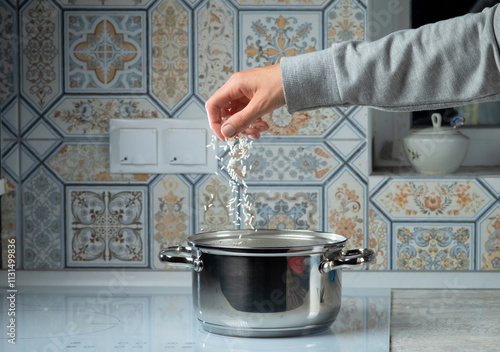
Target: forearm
[{"x": 449, "y": 63}]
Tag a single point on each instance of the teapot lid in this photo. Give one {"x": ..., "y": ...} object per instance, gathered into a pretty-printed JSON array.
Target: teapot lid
[{"x": 438, "y": 129}]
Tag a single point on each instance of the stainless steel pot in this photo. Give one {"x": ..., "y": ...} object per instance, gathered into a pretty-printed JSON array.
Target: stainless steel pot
[{"x": 266, "y": 282}]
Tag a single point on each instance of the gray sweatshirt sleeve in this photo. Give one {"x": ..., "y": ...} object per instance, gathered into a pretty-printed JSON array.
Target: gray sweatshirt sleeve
[{"x": 448, "y": 63}]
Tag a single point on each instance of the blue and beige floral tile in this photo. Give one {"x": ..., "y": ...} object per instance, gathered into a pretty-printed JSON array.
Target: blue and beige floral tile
[
  {"x": 379, "y": 230},
  {"x": 290, "y": 207},
  {"x": 8, "y": 59},
  {"x": 488, "y": 241},
  {"x": 345, "y": 208},
  {"x": 10, "y": 208},
  {"x": 89, "y": 116},
  {"x": 41, "y": 58},
  {"x": 212, "y": 195},
  {"x": 432, "y": 199},
  {"x": 42, "y": 221},
  {"x": 107, "y": 226},
  {"x": 170, "y": 54},
  {"x": 86, "y": 4},
  {"x": 277, "y": 163},
  {"x": 433, "y": 246},
  {"x": 215, "y": 40},
  {"x": 105, "y": 52},
  {"x": 172, "y": 214},
  {"x": 345, "y": 21}
]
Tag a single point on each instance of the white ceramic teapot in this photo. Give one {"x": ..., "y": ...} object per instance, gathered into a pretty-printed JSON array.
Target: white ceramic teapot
[{"x": 437, "y": 150}]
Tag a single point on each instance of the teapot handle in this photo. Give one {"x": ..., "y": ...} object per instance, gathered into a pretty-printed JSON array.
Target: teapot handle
[{"x": 436, "y": 119}]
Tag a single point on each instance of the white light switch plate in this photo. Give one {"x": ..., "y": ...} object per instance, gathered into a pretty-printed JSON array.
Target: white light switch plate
[{"x": 183, "y": 139}]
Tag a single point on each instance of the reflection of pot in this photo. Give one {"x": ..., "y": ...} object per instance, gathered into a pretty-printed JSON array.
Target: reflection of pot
[
  {"x": 436, "y": 150},
  {"x": 266, "y": 282}
]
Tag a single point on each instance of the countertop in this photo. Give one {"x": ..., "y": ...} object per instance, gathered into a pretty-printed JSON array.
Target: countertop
[
  {"x": 380, "y": 312},
  {"x": 445, "y": 320}
]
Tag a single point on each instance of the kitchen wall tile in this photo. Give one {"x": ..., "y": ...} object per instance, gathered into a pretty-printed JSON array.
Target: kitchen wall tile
[
  {"x": 8, "y": 140},
  {"x": 428, "y": 199},
  {"x": 41, "y": 56},
  {"x": 90, "y": 115},
  {"x": 9, "y": 58},
  {"x": 295, "y": 3},
  {"x": 27, "y": 116},
  {"x": 11, "y": 161},
  {"x": 378, "y": 238},
  {"x": 42, "y": 221},
  {"x": 10, "y": 206},
  {"x": 345, "y": 207},
  {"x": 306, "y": 124},
  {"x": 105, "y": 52},
  {"x": 488, "y": 242},
  {"x": 172, "y": 214},
  {"x": 106, "y": 226},
  {"x": 266, "y": 36},
  {"x": 275, "y": 163},
  {"x": 492, "y": 184},
  {"x": 27, "y": 161},
  {"x": 10, "y": 116},
  {"x": 292, "y": 207},
  {"x": 359, "y": 118},
  {"x": 216, "y": 46},
  {"x": 86, "y": 4},
  {"x": 359, "y": 161},
  {"x": 212, "y": 195},
  {"x": 345, "y": 21},
  {"x": 84, "y": 162},
  {"x": 170, "y": 52},
  {"x": 192, "y": 109},
  {"x": 433, "y": 246},
  {"x": 41, "y": 139},
  {"x": 347, "y": 140}
]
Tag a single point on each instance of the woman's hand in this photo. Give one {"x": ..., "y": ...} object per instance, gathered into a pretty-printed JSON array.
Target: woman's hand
[{"x": 237, "y": 107}]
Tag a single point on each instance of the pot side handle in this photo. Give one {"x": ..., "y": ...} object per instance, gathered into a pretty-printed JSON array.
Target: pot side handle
[
  {"x": 348, "y": 259},
  {"x": 181, "y": 256}
]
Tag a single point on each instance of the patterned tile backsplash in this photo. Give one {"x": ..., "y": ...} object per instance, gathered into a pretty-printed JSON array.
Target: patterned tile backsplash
[{"x": 84, "y": 62}]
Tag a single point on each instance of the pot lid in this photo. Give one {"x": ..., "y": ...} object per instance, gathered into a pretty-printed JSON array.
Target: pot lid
[
  {"x": 438, "y": 129},
  {"x": 274, "y": 241}
]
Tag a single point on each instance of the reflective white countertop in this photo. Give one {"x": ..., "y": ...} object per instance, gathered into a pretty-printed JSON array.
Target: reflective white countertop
[{"x": 109, "y": 318}]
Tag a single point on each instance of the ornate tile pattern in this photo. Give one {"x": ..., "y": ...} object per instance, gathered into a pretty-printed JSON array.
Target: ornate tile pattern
[
  {"x": 378, "y": 239},
  {"x": 287, "y": 207},
  {"x": 215, "y": 43},
  {"x": 7, "y": 58},
  {"x": 41, "y": 52},
  {"x": 105, "y": 3},
  {"x": 288, "y": 162},
  {"x": 171, "y": 214},
  {"x": 267, "y": 37},
  {"x": 212, "y": 195},
  {"x": 346, "y": 21},
  {"x": 170, "y": 52},
  {"x": 88, "y": 162},
  {"x": 106, "y": 226},
  {"x": 105, "y": 52},
  {"x": 420, "y": 199},
  {"x": 42, "y": 222},
  {"x": 9, "y": 208},
  {"x": 280, "y": 2},
  {"x": 313, "y": 123},
  {"x": 438, "y": 246},
  {"x": 489, "y": 240},
  {"x": 345, "y": 207},
  {"x": 90, "y": 115}
]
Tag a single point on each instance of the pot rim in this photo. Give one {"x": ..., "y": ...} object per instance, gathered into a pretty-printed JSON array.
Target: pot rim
[{"x": 267, "y": 241}]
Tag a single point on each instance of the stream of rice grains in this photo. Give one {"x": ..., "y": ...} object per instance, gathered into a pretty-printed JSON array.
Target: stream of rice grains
[{"x": 239, "y": 151}]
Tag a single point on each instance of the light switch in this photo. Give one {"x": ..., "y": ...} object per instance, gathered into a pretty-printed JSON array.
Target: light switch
[
  {"x": 160, "y": 146},
  {"x": 138, "y": 146},
  {"x": 186, "y": 146}
]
